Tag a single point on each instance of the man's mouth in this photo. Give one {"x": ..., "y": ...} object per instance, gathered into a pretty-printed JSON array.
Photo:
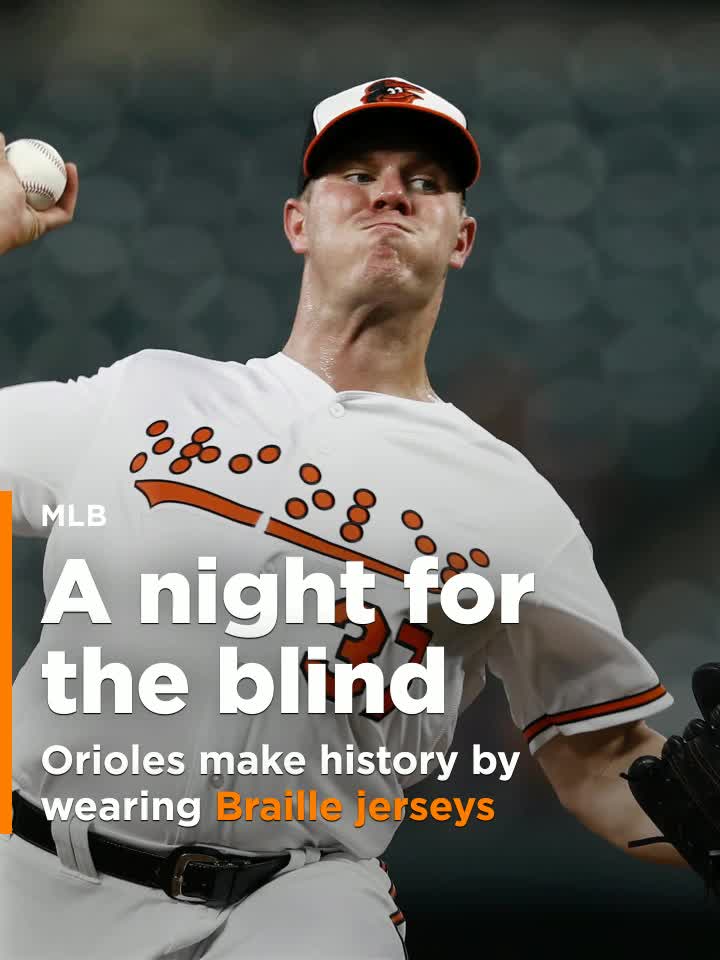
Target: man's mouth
[{"x": 386, "y": 224}]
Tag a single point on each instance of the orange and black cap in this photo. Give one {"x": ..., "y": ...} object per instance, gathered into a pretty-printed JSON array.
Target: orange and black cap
[{"x": 370, "y": 104}]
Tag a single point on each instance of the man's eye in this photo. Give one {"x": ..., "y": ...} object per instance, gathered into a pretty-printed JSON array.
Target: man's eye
[
  {"x": 425, "y": 184},
  {"x": 358, "y": 177}
]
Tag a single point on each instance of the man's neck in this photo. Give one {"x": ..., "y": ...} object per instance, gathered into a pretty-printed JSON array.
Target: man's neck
[{"x": 376, "y": 348}]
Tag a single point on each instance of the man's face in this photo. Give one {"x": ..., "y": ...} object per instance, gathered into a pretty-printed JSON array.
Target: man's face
[{"x": 383, "y": 217}]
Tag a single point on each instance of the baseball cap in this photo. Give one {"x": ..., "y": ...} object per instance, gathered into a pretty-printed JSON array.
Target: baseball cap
[{"x": 335, "y": 117}]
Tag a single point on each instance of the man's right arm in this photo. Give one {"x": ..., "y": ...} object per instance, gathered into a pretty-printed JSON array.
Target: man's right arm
[
  {"x": 45, "y": 426},
  {"x": 45, "y": 430}
]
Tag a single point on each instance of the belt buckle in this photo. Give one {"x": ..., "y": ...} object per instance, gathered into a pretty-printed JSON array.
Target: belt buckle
[{"x": 178, "y": 875}]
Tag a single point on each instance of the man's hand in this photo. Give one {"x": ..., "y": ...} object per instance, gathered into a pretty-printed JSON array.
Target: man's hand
[
  {"x": 680, "y": 790},
  {"x": 19, "y": 223}
]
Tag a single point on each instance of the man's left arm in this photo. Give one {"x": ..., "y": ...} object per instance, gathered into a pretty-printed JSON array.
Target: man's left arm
[{"x": 585, "y": 772}]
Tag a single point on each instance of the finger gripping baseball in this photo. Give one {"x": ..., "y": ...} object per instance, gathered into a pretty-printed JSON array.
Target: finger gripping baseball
[{"x": 679, "y": 791}]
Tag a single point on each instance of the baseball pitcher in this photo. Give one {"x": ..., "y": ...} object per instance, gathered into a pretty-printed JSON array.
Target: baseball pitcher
[{"x": 335, "y": 449}]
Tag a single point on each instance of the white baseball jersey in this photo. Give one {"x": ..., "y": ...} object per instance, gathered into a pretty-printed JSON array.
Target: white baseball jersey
[{"x": 252, "y": 463}]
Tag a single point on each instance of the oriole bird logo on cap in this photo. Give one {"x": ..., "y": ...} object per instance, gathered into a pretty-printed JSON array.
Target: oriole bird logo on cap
[{"x": 394, "y": 91}]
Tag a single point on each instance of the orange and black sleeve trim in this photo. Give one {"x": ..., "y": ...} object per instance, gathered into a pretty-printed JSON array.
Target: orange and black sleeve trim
[{"x": 595, "y": 710}]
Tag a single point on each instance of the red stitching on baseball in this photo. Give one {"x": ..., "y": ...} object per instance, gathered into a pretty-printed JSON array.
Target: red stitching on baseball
[
  {"x": 52, "y": 156},
  {"x": 30, "y": 187}
]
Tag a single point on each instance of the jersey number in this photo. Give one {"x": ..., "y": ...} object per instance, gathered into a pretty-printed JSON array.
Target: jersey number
[{"x": 368, "y": 647}]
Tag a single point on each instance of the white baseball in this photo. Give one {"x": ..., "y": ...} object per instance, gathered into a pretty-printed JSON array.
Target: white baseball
[{"x": 40, "y": 170}]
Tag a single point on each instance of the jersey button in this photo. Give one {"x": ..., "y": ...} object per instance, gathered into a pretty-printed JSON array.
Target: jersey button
[{"x": 337, "y": 410}]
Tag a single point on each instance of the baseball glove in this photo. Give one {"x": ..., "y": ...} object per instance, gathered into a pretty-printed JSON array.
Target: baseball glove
[{"x": 680, "y": 791}]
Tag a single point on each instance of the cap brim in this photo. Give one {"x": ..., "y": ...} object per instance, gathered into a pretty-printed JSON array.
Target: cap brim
[{"x": 464, "y": 151}]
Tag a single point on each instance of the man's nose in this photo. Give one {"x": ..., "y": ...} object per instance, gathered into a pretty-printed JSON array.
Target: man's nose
[{"x": 392, "y": 193}]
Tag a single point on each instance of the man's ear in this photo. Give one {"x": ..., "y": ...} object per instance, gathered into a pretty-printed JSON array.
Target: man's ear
[
  {"x": 294, "y": 222},
  {"x": 464, "y": 243}
]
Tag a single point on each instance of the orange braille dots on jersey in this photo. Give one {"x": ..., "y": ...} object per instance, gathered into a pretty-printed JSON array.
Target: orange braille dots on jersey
[
  {"x": 269, "y": 453},
  {"x": 191, "y": 450},
  {"x": 425, "y": 545},
  {"x": 358, "y": 515},
  {"x": 310, "y": 473},
  {"x": 365, "y": 498},
  {"x": 351, "y": 532},
  {"x": 240, "y": 463},
  {"x": 412, "y": 519},
  {"x": 456, "y": 564},
  {"x": 209, "y": 454},
  {"x": 323, "y": 499},
  {"x": 156, "y": 428},
  {"x": 196, "y": 449},
  {"x": 479, "y": 557},
  {"x": 162, "y": 446},
  {"x": 203, "y": 434},
  {"x": 296, "y": 508}
]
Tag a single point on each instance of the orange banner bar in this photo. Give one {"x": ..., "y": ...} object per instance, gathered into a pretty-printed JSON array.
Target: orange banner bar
[{"x": 5, "y": 662}]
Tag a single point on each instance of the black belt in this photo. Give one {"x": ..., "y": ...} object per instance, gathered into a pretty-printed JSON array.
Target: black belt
[{"x": 195, "y": 874}]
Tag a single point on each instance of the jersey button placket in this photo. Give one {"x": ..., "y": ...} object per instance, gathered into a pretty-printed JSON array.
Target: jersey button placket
[{"x": 324, "y": 432}]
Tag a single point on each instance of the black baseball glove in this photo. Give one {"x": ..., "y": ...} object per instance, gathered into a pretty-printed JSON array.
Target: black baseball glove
[{"x": 680, "y": 791}]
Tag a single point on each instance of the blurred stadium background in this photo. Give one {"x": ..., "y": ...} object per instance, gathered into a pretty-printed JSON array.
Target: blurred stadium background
[{"x": 585, "y": 330}]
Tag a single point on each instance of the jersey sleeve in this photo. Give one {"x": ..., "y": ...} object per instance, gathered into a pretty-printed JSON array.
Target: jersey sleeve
[
  {"x": 567, "y": 666},
  {"x": 44, "y": 429}
]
